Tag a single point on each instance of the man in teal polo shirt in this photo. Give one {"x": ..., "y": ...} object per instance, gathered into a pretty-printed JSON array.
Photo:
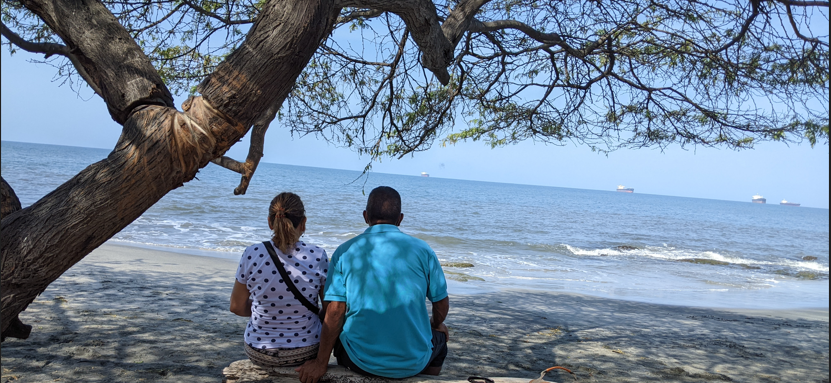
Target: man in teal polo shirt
[{"x": 376, "y": 318}]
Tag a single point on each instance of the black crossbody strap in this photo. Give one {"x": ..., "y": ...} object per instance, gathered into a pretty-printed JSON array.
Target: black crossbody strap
[{"x": 287, "y": 280}]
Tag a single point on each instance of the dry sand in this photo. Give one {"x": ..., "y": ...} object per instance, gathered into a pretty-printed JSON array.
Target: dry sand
[{"x": 127, "y": 314}]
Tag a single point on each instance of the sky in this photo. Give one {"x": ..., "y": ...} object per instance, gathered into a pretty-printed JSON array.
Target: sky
[{"x": 37, "y": 109}]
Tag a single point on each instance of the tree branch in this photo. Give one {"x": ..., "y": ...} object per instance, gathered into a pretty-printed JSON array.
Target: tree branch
[
  {"x": 113, "y": 61},
  {"x": 805, "y": 3},
  {"x": 796, "y": 28},
  {"x": 255, "y": 151},
  {"x": 224, "y": 20},
  {"x": 459, "y": 19},
  {"x": 358, "y": 14},
  {"x": 745, "y": 27},
  {"x": 545, "y": 38},
  {"x": 49, "y": 49},
  {"x": 423, "y": 21}
]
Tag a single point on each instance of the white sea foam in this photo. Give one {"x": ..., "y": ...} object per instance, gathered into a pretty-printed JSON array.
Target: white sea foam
[{"x": 673, "y": 254}]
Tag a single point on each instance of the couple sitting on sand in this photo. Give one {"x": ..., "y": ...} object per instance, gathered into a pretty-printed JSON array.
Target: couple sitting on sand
[{"x": 372, "y": 295}]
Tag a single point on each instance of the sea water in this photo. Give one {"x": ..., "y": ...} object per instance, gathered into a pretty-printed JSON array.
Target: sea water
[{"x": 651, "y": 248}]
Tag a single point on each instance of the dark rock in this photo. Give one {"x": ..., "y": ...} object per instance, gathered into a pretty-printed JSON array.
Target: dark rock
[
  {"x": 456, "y": 264},
  {"x": 749, "y": 267},
  {"x": 807, "y": 275},
  {"x": 704, "y": 261}
]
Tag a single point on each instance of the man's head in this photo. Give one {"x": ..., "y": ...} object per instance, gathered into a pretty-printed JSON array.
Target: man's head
[{"x": 383, "y": 207}]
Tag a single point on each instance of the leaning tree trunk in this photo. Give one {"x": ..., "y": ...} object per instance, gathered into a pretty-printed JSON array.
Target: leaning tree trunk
[
  {"x": 159, "y": 148},
  {"x": 9, "y": 203}
]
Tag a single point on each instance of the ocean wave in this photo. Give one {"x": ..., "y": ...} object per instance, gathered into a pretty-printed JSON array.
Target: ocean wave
[{"x": 670, "y": 253}]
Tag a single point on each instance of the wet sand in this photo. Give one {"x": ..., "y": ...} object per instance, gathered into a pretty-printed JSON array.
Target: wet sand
[{"x": 134, "y": 314}]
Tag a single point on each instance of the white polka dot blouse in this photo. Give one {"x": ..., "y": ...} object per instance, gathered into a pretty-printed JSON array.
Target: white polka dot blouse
[{"x": 278, "y": 319}]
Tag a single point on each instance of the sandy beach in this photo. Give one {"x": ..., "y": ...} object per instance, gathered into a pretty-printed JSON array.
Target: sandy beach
[{"x": 127, "y": 314}]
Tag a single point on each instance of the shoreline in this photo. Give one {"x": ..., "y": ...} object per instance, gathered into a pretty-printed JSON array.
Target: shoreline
[
  {"x": 128, "y": 313},
  {"x": 461, "y": 283}
]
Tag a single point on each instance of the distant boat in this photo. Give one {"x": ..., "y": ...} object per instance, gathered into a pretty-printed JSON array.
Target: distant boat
[
  {"x": 424, "y": 174},
  {"x": 758, "y": 199},
  {"x": 786, "y": 203},
  {"x": 624, "y": 189}
]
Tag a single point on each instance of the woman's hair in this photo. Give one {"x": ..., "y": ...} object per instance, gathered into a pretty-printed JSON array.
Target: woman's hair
[{"x": 285, "y": 213}]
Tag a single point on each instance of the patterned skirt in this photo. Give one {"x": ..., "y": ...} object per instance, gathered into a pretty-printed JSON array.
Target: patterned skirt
[{"x": 281, "y": 357}]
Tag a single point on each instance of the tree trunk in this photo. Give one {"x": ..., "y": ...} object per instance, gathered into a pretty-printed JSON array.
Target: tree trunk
[
  {"x": 159, "y": 148},
  {"x": 9, "y": 203}
]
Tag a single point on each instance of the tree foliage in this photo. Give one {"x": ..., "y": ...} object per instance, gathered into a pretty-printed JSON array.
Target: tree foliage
[{"x": 609, "y": 74}]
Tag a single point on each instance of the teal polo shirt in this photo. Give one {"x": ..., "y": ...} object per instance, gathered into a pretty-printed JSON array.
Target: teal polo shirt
[{"x": 384, "y": 275}]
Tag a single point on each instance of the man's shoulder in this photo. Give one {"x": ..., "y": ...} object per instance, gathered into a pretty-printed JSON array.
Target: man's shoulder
[
  {"x": 346, "y": 245},
  {"x": 394, "y": 236},
  {"x": 417, "y": 241}
]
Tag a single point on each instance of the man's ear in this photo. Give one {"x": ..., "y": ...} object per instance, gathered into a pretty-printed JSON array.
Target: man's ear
[
  {"x": 400, "y": 218},
  {"x": 366, "y": 219}
]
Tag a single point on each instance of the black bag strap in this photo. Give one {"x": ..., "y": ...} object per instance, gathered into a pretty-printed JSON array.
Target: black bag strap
[{"x": 274, "y": 258}]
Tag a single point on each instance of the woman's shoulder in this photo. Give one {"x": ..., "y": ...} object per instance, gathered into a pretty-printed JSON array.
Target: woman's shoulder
[
  {"x": 254, "y": 250},
  {"x": 259, "y": 246},
  {"x": 304, "y": 247}
]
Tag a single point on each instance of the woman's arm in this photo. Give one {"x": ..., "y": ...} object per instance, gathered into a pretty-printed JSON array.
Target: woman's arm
[{"x": 240, "y": 302}]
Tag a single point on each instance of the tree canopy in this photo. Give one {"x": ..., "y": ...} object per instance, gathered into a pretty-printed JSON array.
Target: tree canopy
[{"x": 609, "y": 74}]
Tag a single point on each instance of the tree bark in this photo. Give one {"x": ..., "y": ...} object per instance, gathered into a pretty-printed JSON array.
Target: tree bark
[
  {"x": 9, "y": 203},
  {"x": 159, "y": 148}
]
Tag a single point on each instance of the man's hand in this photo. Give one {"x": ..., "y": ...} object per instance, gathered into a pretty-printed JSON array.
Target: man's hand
[
  {"x": 440, "y": 310},
  {"x": 443, "y": 328},
  {"x": 312, "y": 371}
]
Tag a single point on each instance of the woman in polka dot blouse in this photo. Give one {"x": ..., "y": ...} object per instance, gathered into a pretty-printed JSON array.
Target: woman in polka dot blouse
[{"x": 281, "y": 331}]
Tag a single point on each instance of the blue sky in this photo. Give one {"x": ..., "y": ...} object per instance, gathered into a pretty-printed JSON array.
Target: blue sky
[{"x": 36, "y": 109}]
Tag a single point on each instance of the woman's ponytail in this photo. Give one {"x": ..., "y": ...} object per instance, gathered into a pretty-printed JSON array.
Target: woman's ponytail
[{"x": 285, "y": 213}]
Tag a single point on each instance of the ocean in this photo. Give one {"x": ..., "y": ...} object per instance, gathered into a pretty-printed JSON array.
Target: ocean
[{"x": 649, "y": 248}]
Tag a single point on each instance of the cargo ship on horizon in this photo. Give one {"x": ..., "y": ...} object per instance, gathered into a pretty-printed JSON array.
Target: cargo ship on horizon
[
  {"x": 758, "y": 199},
  {"x": 624, "y": 189},
  {"x": 786, "y": 203}
]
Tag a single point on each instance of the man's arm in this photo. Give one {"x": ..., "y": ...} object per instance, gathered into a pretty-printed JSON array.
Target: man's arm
[
  {"x": 313, "y": 370},
  {"x": 440, "y": 310}
]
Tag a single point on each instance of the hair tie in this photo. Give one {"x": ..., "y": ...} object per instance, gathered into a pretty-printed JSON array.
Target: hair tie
[{"x": 279, "y": 213}]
